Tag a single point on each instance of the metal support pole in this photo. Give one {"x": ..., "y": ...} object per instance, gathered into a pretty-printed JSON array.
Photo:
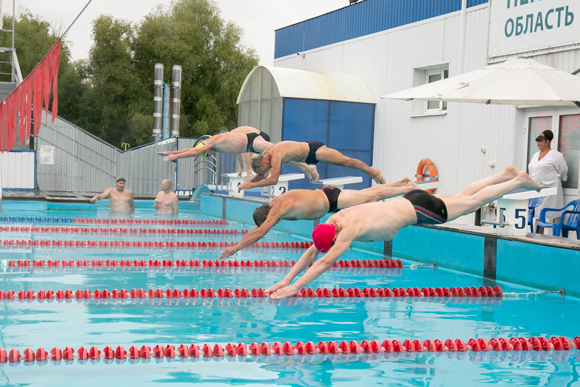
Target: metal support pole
[
  {"x": 176, "y": 99},
  {"x": 462, "y": 40},
  {"x": 157, "y": 101},
  {"x": 166, "y": 92}
]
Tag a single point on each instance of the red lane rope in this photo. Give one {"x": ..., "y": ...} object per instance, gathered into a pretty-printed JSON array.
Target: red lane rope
[
  {"x": 146, "y": 221},
  {"x": 378, "y": 263},
  {"x": 206, "y": 269},
  {"x": 254, "y": 293},
  {"x": 300, "y": 348},
  {"x": 113, "y": 230},
  {"x": 145, "y": 245}
]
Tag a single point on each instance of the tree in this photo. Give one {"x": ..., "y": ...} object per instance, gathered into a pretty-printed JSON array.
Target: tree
[{"x": 189, "y": 33}]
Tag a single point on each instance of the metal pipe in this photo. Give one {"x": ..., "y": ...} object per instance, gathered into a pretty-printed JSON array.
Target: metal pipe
[
  {"x": 13, "y": 17},
  {"x": 157, "y": 101},
  {"x": 176, "y": 99},
  {"x": 166, "y": 93},
  {"x": 462, "y": 40}
]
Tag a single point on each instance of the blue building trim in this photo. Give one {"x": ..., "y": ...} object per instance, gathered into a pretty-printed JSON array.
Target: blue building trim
[{"x": 360, "y": 19}]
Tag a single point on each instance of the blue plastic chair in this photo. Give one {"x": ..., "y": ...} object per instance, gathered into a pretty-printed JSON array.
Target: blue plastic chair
[
  {"x": 567, "y": 223},
  {"x": 532, "y": 204}
]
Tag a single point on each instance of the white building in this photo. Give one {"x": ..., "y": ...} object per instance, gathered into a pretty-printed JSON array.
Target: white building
[{"x": 395, "y": 45}]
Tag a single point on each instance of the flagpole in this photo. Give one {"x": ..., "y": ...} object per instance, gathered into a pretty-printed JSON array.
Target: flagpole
[{"x": 83, "y": 10}]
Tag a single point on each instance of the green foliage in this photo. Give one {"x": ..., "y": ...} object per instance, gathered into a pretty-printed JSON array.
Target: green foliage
[
  {"x": 110, "y": 94},
  {"x": 189, "y": 33}
]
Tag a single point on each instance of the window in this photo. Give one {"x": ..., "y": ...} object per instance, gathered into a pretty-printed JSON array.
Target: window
[
  {"x": 434, "y": 76},
  {"x": 425, "y": 75},
  {"x": 569, "y": 145}
]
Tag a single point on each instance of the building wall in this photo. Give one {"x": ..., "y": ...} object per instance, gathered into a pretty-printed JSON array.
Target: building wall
[
  {"x": 453, "y": 141},
  {"x": 345, "y": 126},
  {"x": 83, "y": 163}
]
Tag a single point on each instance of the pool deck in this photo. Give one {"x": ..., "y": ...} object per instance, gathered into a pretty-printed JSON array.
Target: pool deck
[{"x": 567, "y": 243}]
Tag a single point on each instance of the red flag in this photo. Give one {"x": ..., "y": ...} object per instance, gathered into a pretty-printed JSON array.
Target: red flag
[{"x": 33, "y": 93}]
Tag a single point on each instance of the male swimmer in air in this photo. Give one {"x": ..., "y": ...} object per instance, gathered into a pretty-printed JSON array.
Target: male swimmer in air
[
  {"x": 309, "y": 152},
  {"x": 307, "y": 204},
  {"x": 382, "y": 222}
]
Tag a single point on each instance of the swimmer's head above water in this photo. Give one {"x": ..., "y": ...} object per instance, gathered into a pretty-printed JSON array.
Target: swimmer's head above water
[{"x": 120, "y": 183}]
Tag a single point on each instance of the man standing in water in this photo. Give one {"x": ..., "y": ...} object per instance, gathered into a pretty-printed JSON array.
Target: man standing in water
[
  {"x": 166, "y": 202},
  {"x": 382, "y": 222},
  {"x": 120, "y": 199}
]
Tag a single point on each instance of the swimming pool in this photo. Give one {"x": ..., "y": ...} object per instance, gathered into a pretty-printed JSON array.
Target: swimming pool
[{"x": 75, "y": 323}]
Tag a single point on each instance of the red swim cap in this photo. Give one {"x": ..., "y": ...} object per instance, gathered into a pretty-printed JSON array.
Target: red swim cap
[{"x": 322, "y": 236}]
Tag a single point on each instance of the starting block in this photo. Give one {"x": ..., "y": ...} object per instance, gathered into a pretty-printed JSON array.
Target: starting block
[
  {"x": 282, "y": 185},
  {"x": 426, "y": 184},
  {"x": 340, "y": 182},
  {"x": 233, "y": 182},
  {"x": 512, "y": 216}
]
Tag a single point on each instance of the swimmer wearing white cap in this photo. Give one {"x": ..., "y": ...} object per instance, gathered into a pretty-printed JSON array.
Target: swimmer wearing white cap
[
  {"x": 238, "y": 141},
  {"x": 120, "y": 199}
]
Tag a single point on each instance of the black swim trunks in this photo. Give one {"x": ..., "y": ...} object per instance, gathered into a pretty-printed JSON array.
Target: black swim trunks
[
  {"x": 314, "y": 146},
  {"x": 332, "y": 196},
  {"x": 265, "y": 136},
  {"x": 429, "y": 209},
  {"x": 251, "y": 138}
]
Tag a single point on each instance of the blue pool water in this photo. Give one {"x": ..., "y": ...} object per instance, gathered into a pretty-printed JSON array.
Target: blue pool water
[{"x": 77, "y": 323}]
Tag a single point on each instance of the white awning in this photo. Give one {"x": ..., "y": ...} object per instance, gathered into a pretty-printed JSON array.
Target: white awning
[{"x": 304, "y": 84}]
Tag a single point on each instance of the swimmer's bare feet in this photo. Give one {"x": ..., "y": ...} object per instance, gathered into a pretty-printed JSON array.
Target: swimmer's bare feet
[
  {"x": 377, "y": 176},
  {"x": 411, "y": 185},
  {"x": 314, "y": 172},
  {"x": 528, "y": 182},
  {"x": 510, "y": 172}
]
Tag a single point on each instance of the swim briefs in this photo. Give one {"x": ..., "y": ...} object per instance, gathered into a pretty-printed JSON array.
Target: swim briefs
[
  {"x": 265, "y": 136},
  {"x": 429, "y": 209},
  {"x": 251, "y": 138},
  {"x": 332, "y": 196},
  {"x": 314, "y": 146}
]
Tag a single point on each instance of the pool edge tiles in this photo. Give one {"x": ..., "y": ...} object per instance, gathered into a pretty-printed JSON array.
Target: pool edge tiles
[
  {"x": 538, "y": 265},
  {"x": 449, "y": 249}
]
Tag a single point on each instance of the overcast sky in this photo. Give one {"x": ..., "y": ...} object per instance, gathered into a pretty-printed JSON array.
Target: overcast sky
[{"x": 258, "y": 18}]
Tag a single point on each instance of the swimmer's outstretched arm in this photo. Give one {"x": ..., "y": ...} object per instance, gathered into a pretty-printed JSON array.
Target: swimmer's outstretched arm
[
  {"x": 319, "y": 267},
  {"x": 177, "y": 152},
  {"x": 98, "y": 197},
  {"x": 305, "y": 260},
  {"x": 270, "y": 180},
  {"x": 190, "y": 152},
  {"x": 256, "y": 233}
]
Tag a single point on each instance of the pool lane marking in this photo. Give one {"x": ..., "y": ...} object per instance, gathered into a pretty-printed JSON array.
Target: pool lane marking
[
  {"x": 411, "y": 293},
  {"x": 377, "y": 263},
  {"x": 255, "y": 350}
]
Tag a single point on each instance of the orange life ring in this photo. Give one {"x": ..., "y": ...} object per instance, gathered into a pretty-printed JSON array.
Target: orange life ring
[{"x": 432, "y": 172}]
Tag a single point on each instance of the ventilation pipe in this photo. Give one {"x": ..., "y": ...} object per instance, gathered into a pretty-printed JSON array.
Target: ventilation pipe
[
  {"x": 176, "y": 101},
  {"x": 166, "y": 93},
  {"x": 157, "y": 101}
]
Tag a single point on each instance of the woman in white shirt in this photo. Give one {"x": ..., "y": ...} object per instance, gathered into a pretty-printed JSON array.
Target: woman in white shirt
[{"x": 549, "y": 169}]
